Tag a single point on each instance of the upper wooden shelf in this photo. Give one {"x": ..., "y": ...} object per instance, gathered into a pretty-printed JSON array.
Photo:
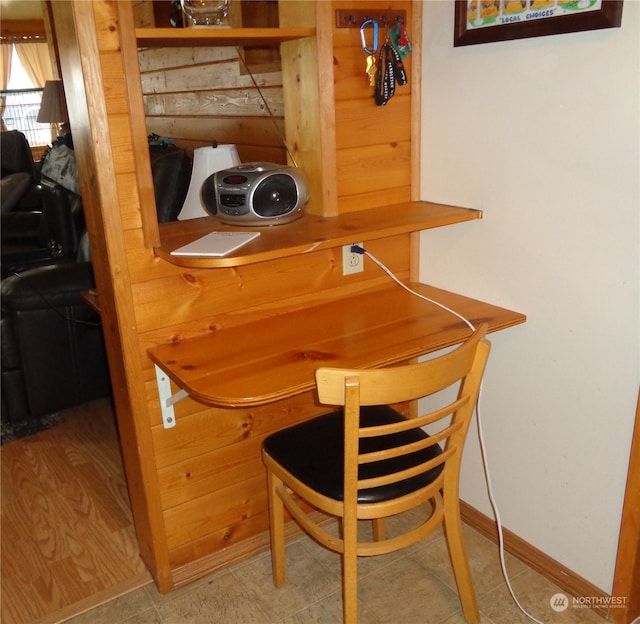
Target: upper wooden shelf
[
  {"x": 214, "y": 36},
  {"x": 310, "y": 232}
]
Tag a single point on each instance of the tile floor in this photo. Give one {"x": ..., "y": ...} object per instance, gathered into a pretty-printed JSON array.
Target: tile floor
[{"x": 411, "y": 586}]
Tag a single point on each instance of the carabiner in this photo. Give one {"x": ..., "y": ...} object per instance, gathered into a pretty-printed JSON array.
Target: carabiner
[{"x": 375, "y": 36}]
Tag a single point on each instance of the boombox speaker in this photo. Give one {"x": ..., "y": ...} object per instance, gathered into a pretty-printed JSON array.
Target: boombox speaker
[{"x": 256, "y": 193}]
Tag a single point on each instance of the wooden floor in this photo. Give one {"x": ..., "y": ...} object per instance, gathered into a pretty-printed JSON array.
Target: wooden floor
[{"x": 68, "y": 542}]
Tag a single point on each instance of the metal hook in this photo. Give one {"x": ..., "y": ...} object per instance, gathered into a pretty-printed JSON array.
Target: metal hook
[{"x": 363, "y": 26}]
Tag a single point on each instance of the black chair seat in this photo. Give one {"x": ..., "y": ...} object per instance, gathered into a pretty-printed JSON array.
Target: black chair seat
[{"x": 313, "y": 453}]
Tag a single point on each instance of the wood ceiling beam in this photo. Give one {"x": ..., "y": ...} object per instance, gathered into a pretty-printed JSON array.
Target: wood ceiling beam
[{"x": 22, "y": 30}]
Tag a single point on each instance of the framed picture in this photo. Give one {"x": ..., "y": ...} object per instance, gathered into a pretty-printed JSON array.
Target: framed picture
[{"x": 482, "y": 21}]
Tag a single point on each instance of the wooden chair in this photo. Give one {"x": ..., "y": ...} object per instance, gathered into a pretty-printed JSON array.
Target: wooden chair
[{"x": 368, "y": 462}]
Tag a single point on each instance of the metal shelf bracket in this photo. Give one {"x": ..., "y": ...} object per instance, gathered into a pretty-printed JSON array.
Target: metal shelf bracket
[{"x": 167, "y": 400}]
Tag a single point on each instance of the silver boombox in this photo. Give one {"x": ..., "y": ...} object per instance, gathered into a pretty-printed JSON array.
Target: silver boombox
[{"x": 256, "y": 193}]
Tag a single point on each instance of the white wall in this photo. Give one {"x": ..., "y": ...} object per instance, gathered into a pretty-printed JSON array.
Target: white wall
[{"x": 542, "y": 135}]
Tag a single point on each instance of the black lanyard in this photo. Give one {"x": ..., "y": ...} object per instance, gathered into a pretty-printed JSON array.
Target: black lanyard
[{"x": 390, "y": 71}]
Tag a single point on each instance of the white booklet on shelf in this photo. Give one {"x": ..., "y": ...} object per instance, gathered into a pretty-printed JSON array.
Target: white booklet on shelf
[{"x": 216, "y": 244}]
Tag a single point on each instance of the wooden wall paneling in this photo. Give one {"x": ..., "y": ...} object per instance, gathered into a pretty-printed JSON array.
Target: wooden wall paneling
[
  {"x": 144, "y": 264},
  {"x": 189, "y": 486},
  {"x": 308, "y": 78},
  {"x": 115, "y": 95},
  {"x": 106, "y": 27},
  {"x": 373, "y": 168},
  {"x": 180, "y": 480},
  {"x": 84, "y": 30},
  {"x": 131, "y": 216},
  {"x": 196, "y": 467},
  {"x": 415, "y": 34},
  {"x": 199, "y": 294},
  {"x": 230, "y": 544},
  {"x": 136, "y": 124},
  {"x": 234, "y": 102},
  {"x": 51, "y": 38},
  {"x": 349, "y": 69},
  {"x": 144, "y": 13},
  {"x": 383, "y": 133},
  {"x": 260, "y": 15},
  {"x": 258, "y": 153},
  {"x": 326, "y": 101},
  {"x": 370, "y": 127},
  {"x": 203, "y": 474},
  {"x": 252, "y": 136},
  {"x": 198, "y": 95},
  {"x": 212, "y": 478},
  {"x": 303, "y": 129},
  {"x": 206, "y": 294},
  {"x": 212, "y": 515},
  {"x": 153, "y": 61},
  {"x": 119, "y": 307},
  {"x": 374, "y": 198},
  {"x": 184, "y": 443},
  {"x": 228, "y": 506},
  {"x": 220, "y": 73}
]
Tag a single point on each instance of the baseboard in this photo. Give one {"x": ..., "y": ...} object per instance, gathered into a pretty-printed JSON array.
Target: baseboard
[{"x": 567, "y": 580}]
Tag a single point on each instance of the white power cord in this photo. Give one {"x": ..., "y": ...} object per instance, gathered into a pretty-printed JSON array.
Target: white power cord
[
  {"x": 483, "y": 451},
  {"x": 361, "y": 250},
  {"x": 496, "y": 513}
]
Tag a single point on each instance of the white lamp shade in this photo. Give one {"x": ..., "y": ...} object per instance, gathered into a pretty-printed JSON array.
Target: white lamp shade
[
  {"x": 206, "y": 160},
  {"x": 53, "y": 107}
]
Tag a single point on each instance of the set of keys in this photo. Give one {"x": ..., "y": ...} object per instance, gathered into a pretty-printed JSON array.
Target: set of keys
[
  {"x": 387, "y": 70},
  {"x": 372, "y": 68}
]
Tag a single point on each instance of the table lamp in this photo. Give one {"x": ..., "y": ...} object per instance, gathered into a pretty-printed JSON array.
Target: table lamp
[
  {"x": 206, "y": 160},
  {"x": 53, "y": 107}
]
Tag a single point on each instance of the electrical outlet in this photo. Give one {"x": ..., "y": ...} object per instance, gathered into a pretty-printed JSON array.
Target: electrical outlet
[{"x": 352, "y": 262}]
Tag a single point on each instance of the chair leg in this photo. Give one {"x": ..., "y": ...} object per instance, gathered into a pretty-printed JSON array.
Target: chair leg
[
  {"x": 379, "y": 529},
  {"x": 350, "y": 570},
  {"x": 460, "y": 564},
  {"x": 276, "y": 522}
]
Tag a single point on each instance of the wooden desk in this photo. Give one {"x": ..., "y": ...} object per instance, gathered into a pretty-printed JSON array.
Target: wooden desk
[{"x": 276, "y": 357}]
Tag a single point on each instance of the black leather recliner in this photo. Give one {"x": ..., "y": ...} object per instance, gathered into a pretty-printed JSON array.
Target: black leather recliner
[
  {"x": 53, "y": 354},
  {"x": 19, "y": 173},
  {"x": 24, "y": 229}
]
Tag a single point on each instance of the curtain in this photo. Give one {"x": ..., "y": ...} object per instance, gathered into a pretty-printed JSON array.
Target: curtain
[
  {"x": 6, "y": 50},
  {"x": 36, "y": 62}
]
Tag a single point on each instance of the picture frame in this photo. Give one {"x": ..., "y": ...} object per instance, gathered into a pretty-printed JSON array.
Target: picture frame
[{"x": 502, "y": 20}]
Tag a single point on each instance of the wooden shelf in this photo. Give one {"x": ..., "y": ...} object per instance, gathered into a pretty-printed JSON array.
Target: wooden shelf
[
  {"x": 276, "y": 357},
  {"x": 214, "y": 36},
  {"x": 310, "y": 232}
]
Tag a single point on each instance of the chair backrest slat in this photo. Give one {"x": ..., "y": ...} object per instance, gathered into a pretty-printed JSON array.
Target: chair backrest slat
[
  {"x": 401, "y": 475},
  {"x": 412, "y": 423},
  {"x": 460, "y": 369},
  {"x": 405, "y": 449}
]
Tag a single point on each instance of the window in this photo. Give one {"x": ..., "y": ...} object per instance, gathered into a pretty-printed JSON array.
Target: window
[
  {"x": 19, "y": 105},
  {"x": 19, "y": 112}
]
